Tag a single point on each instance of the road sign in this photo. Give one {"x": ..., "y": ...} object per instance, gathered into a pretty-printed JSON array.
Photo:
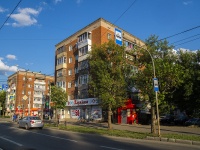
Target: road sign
[
  {"x": 25, "y": 97},
  {"x": 155, "y": 83}
]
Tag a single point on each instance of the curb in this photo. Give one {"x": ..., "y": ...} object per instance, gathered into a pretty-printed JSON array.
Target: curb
[{"x": 189, "y": 142}]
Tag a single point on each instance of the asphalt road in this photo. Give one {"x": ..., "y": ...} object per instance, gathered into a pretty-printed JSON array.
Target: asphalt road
[{"x": 14, "y": 138}]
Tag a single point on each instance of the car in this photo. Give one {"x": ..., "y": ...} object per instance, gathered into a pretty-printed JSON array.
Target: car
[
  {"x": 192, "y": 121},
  {"x": 180, "y": 120},
  {"x": 30, "y": 122},
  {"x": 167, "y": 119}
]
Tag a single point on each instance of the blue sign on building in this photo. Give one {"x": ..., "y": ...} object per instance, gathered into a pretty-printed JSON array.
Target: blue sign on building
[
  {"x": 4, "y": 87},
  {"x": 118, "y": 36}
]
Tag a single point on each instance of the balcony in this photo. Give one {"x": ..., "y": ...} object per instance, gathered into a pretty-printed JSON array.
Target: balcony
[
  {"x": 61, "y": 54},
  {"x": 84, "y": 43},
  {"x": 61, "y": 66}
]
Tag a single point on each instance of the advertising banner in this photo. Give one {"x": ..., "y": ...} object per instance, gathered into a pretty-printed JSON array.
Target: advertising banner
[
  {"x": 79, "y": 102},
  {"x": 118, "y": 36},
  {"x": 96, "y": 113}
]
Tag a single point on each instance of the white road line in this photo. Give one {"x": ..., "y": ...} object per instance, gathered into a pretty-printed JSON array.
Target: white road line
[
  {"x": 55, "y": 137},
  {"x": 11, "y": 141},
  {"x": 111, "y": 148}
]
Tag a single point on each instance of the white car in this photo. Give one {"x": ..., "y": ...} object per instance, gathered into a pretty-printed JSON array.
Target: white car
[{"x": 30, "y": 122}]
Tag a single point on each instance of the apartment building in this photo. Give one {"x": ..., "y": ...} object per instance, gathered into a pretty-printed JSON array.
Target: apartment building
[
  {"x": 71, "y": 64},
  {"x": 28, "y": 93}
]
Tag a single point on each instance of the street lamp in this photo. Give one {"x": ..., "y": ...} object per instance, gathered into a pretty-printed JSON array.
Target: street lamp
[
  {"x": 156, "y": 91},
  {"x": 155, "y": 88}
]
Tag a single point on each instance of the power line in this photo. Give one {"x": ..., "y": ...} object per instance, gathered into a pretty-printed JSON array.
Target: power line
[
  {"x": 179, "y": 33},
  {"x": 185, "y": 38},
  {"x": 187, "y": 41},
  {"x": 125, "y": 11},
  {"x": 10, "y": 14}
]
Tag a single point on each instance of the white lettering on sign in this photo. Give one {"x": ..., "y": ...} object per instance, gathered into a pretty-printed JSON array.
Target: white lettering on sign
[{"x": 88, "y": 101}]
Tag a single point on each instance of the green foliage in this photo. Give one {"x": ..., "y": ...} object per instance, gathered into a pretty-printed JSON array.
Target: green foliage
[
  {"x": 2, "y": 98},
  {"x": 58, "y": 96},
  {"x": 167, "y": 71},
  {"x": 108, "y": 69}
]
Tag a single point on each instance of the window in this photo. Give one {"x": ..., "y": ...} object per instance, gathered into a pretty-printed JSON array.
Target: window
[
  {"x": 59, "y": 73},
  {"x": 109, "y": 36},
  {"x": 70, "y": 48},
  {"x": 70, "y": 59},
  {"x": 22, "y": 92},
  {"x": 76, "y": 83},
  {"x": 69, "y": 72},
  {"x": 69, "y": 84},
  {"x": 76, "y": 70},
  {"x": 69, "y": 97},
  {"x": 24, "y": 78},
  {"x": 83, "y": 50},
  {"x": 83, "y": 79}
]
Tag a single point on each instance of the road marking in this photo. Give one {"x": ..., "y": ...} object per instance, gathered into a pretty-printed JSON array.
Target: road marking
[
  {"x": 11, "y": 141},
  {"x": 111, "y": 148},
  {"x": 55, "y": 137}
]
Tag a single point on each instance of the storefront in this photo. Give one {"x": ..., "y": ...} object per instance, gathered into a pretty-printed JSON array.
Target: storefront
[
  {"x": 84, "y": 108},
  {"x": 127, "y": 114}
]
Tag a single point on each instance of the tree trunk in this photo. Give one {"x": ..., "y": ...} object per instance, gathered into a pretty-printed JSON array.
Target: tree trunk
[
  {"x": 153, "y": 130},
  {"x": 109, "y": 118}
]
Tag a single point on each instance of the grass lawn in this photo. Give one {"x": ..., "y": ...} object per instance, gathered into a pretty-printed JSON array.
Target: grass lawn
[{"x": 120, "y": 133}]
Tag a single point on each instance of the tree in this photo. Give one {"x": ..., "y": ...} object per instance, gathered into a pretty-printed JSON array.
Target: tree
[
  {"x": 108, "y": 70},
  {"x": 2, "y": 100},
  {"x": 187, "y": 96},
  {"x": 166, "y": 70},
  {"x": 59, "y": 97}
]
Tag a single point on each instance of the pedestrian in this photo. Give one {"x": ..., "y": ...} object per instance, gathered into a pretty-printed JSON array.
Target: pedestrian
[{"x": 14, "y": 117}]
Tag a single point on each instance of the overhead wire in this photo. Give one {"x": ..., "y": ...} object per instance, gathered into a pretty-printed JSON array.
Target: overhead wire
[{"x": 10, "y": 14}]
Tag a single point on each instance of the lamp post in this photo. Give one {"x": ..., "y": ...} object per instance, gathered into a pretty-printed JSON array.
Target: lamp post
[
  {"x": 155, "y": 89},
  {"x": 154, "y": 75}
]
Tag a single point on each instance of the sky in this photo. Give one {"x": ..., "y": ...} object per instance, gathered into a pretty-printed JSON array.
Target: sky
[{"x": 30, "y": 29}]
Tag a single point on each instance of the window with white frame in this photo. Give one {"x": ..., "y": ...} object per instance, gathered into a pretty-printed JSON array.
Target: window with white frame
[
  {"x": 70, "y": 59},
  {"x": 109, "y": 36},
  {"x": 83, "y": 50},
  {"x": 69, "y": 84},
  {"x": 70, "y": 72},
  {"x": 70, "y": 48}
]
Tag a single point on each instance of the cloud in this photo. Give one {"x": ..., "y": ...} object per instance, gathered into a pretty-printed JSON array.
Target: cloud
[
  {"x": 25, "y": 17},
  {"x": 5, "y": 68},
  {"x": 13, "y": 57},
  {"x": 57, "y": 1},
  {"x": 187, "y": 2},
  {"x": 2, "y": 10}
]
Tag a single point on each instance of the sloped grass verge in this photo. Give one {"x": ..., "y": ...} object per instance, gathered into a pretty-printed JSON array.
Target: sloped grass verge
[{"x": 120, "y": 133}]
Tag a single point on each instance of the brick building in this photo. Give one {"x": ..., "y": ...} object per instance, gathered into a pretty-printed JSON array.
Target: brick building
[
  {"x": 26, "y": 88},
  {"x": 71, "y": 65}
]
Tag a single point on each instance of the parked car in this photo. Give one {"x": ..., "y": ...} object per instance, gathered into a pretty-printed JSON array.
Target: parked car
[
  {"x": 192, "y": 121},
  {"x": 180, "y": 120},
  {"x": 30, "y": 122},
  {"x": 167, "y": 119}
]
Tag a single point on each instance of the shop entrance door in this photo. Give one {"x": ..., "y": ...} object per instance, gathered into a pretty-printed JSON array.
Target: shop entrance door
[{"x": 124, "y": 116}]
